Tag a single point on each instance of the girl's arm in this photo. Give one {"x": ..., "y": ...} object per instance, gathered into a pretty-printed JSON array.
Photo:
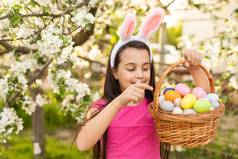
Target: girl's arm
[
  {"x": 193, "y": 59},
  {"x": 93, "y": 130},
  {"x": 200, "y": 77}
]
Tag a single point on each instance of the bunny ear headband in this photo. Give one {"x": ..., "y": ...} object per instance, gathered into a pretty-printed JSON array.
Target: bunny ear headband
[{"x": 148, "y": 27}]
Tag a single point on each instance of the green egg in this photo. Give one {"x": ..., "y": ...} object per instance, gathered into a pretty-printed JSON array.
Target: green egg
[{"x": 202, "y": 105}]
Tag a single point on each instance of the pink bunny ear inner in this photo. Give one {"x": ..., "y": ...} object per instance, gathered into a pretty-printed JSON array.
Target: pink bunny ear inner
[
  {"x": 130, "y": 29},
  {"x": 128, "y": 26},
  {"x": 152, "y": 22}
]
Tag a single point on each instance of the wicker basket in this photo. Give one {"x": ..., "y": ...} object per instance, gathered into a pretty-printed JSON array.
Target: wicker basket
[{"x": 185, "y": 130}]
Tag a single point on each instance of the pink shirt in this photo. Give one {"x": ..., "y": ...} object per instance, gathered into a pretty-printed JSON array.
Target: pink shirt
[{"x": 131, "y": 134}]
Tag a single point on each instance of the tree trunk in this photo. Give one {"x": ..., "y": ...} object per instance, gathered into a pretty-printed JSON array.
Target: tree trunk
[
  {"x": 38, "y": 131},
  {"x": 163, "y": 43}
]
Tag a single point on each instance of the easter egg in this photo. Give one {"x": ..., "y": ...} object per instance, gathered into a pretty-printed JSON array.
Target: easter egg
[
  {"x": 215, "y": 104},
  {"x": 182, "y": 89},
  {"x": 212, "y": 97},
  {"x": 161, "y": 99},
  {"x": 202, "y": 105},
  {"x": 189, "y": 111},
  {"x": 188, "y": 101},
  {"x": 212, "y": 108},
  {"x": 171, "y": 95},
  {"x": 177, "y": 102},
  {"x": 167, "y": 106},
  {"x": 167, "y": 89},
  {"x": 199, "y": 92},
  {"x": 177, "y": 110}
]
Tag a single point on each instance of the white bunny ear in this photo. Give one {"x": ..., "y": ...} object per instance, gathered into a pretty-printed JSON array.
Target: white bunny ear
[
  {"x": 151, "y": 23},
  {"x": 128, "y": 26}
]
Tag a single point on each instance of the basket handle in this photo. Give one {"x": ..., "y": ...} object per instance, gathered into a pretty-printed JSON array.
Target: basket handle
[{"x": 166, "y": 72}]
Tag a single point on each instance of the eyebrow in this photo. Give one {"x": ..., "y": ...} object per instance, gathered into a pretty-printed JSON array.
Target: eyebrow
[{"x": 131, "y": 63}]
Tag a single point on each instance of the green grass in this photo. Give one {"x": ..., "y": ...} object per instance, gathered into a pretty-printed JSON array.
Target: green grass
[{"x": 20, "y": 147}]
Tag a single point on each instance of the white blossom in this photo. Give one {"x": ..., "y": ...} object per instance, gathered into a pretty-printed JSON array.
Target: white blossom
[
  {"x": 93, "y": 3},
  {"x": 67, "y": 100},
  {"x": 50, "y": 43},
  {"x": 4, "y": 88},
  {"x": 28, "y": 105},
  {"x": 8, "y": 121},
  {"x": 83, "y": 17},
  {"x": 21, "y": 67},
  {"x": 40, "y": 101},
  {"x": 23, "y": 81},
  {"x": 76, "y": 60},
  {"x": 5, "y": 23},
  {"x": 52, "y": 84},
  {"x": 64, "y": 55},
  {"x": 234, "y": 81},
  {"x": 24, "y": 31}
]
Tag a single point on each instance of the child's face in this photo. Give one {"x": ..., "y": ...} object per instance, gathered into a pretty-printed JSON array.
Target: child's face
[{"x": 134, "y": 66}]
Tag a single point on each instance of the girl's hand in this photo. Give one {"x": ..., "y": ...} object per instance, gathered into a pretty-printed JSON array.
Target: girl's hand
[
  {"x": 193, "y": 58},
  {"x": 134, "y": 93}
]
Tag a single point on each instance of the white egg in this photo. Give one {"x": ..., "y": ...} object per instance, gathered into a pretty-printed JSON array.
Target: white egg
[
  {"x": 189, "y": 111},
  {"x": 161, "y": 99},
  {"x": 212, "y": 108},
  {"x": 215, "y": 104},
  {"x": 177, "y": 110},
  {"x": 177, "y": 102},
  {"x": 167, "y": 106},
  {"x": 212, "y": 97}
]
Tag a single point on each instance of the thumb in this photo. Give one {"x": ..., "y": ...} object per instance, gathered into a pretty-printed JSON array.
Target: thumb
[{"x": 186, "y": 64}]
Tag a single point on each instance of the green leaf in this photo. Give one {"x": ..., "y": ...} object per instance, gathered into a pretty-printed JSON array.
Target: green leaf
[{"x": 15, "y": 20}]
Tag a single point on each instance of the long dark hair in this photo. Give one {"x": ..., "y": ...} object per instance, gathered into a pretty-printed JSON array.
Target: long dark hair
[{"x": 112, "y": 90}]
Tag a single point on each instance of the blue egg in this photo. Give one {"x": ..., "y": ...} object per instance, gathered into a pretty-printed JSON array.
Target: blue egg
[
  {"x": 215, "y": 104},
  {"x": 167, "y": 106},
  {"x": 212, "y": 97}
]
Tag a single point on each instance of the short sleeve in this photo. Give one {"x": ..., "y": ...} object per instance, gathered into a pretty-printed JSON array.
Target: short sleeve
[{"x": 99, "y": 104}]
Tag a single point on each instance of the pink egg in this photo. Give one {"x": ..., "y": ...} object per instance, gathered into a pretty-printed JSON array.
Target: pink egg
[
  {"x": 199, "y": 92},
  {"x": 182, "y": 89}
]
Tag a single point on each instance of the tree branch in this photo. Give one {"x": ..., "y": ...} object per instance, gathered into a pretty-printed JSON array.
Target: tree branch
[
  {"x": 167, "y": 6},
  {"x": 67, "y": 11},
  {"x": 91, "y": 61},
  {"x": 32, "y": 80},
  {"x": 8, "y": 47}
]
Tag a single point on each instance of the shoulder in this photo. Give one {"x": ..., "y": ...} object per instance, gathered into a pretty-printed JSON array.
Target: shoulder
[
  {"x": 96, "y": 107},
  {"x": 99, "y": 104}
]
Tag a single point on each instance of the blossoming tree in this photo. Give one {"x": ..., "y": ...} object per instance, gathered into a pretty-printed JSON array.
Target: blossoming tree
[{"x": 37, "y": 41}]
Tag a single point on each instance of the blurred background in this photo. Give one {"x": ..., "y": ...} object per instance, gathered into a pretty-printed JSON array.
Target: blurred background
[{"x": 53, "y": 57}]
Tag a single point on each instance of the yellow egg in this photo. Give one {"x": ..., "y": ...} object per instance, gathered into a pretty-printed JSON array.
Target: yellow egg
[
  {"x": 188, "y": 101},
  {"x": 171, "y": 95}
]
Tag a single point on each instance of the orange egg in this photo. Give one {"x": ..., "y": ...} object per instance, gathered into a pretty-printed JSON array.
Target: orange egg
[{"x": 171, "y": 95}]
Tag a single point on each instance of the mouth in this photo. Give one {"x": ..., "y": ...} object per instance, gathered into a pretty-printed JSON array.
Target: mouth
[{"x": 139, "y": 82}]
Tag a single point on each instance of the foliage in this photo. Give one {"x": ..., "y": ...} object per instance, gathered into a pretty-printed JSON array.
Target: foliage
[{"x": 21, "y": 146}]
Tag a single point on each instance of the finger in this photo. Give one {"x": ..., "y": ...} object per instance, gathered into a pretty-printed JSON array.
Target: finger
[
  {"x": 187, "y": 55},
  {"x": 193, "y": 61},
  {"x": 135, "y": 99},
  {"x": 144, "y": 86},
  {"x": 186, "y": 64},
  {"x": 140, "y": 95}
]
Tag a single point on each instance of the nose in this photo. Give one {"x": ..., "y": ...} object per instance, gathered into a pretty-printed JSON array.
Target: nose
[{"x": 139, "y": 74}]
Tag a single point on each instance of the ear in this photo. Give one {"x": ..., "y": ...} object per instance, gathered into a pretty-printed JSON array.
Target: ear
[
  {"x": 114, "y": 72},
  {"x": 128, "y": 26},
  {"x": 151, "y": 23}
]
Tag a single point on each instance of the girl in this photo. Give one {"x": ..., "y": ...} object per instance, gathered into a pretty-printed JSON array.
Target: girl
[{"x": 119, "y": 125}]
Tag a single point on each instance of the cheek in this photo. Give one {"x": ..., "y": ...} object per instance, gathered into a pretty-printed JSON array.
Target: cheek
[{"x": 148, "y": 78}]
